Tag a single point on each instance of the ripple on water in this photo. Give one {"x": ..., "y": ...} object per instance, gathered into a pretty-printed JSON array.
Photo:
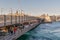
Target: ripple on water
[{"x": 43, "y": 32}]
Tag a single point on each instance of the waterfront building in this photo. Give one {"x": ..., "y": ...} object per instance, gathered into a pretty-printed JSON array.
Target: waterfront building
[{"x": 46, "y": 17}]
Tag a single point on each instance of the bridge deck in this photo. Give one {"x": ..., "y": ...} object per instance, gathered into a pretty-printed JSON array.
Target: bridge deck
[{"x": 18, "y": 33}]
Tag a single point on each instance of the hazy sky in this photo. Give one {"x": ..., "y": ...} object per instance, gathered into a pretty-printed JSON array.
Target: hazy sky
[{"x": 35, "y": 7}]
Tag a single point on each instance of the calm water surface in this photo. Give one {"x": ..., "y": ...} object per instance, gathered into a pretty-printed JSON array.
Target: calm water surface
[{"x": 43, "y": 32}]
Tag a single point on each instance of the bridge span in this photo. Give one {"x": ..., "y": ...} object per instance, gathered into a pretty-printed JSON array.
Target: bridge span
[{"x": 12, "y": 27}]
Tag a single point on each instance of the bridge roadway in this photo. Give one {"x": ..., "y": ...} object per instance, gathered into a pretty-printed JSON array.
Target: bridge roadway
[{"x": 18, "y": 32}]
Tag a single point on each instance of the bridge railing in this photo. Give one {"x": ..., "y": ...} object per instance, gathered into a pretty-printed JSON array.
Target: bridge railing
[{"x": 8, "y": 19}]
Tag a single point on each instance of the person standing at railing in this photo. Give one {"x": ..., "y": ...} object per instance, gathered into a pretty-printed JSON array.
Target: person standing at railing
[
  {"x": 11, "y": 30},
  {"x": 15, "y": 29}
]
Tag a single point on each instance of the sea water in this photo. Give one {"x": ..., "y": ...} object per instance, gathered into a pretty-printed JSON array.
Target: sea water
[{"x": 47, "y": 31}]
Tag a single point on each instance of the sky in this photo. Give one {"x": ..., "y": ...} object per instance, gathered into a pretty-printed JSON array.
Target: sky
[{"x": 33, "y": 7}]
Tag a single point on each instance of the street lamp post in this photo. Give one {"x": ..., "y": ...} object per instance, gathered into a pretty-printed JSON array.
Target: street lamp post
[
  {"x": 11, "y": 15},
  {"x": 22, "y": 16},
  {"x": 4, "y": 18},
  {"x": 19, "y": 17},
  {"x": 15, "y": 18}
]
